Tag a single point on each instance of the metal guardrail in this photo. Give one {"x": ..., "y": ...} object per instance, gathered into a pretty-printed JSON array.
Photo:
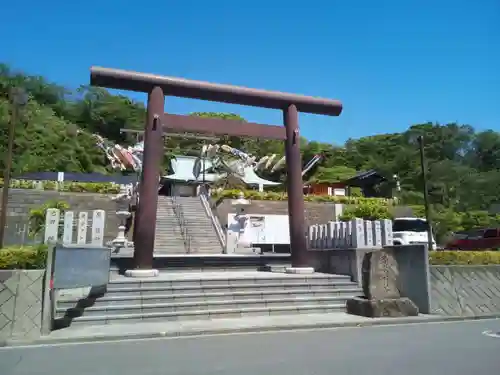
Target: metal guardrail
[
  {"x": 182, "y": 224},
  {"x": 214, "y": 219}
]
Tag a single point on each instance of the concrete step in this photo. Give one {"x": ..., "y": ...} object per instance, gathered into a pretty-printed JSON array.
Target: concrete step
[
  {"x": 204, "y": 314},
  {"x": 199, "y": 306},
  {"x": 128, "y": 300},
  {"x": 179, "y": 286},
  {"x": 168, "y": 246},
  {"x": 244, "y": 288}
]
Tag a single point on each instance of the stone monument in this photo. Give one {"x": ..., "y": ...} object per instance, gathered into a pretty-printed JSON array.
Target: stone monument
[{"x": 381, "y": 288}]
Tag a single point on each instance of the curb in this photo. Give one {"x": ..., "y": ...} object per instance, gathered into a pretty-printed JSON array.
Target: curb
[{"x": 225, "y": 331}]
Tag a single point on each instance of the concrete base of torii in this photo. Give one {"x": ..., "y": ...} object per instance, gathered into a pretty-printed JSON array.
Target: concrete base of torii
[
  {"x": 299, "y": 270},
  {"x": 137, "y": 273}
]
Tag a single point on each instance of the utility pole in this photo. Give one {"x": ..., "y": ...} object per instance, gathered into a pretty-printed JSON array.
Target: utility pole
[
  {"x": 19, "y": 98},
  {"x": 423, "y": 166}
]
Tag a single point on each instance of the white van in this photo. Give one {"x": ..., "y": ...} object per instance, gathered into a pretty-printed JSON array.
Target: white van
[{"x": 410, "y": 230}]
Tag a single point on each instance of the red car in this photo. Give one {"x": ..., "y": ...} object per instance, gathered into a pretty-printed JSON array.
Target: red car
[{"x": 481, "y": 239}]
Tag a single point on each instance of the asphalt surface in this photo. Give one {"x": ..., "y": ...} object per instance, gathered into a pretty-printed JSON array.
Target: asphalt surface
[{"x": 459, "y": 348}]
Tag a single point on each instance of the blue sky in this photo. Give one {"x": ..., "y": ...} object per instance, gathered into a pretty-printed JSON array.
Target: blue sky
[{"x": 391, "y": 63}]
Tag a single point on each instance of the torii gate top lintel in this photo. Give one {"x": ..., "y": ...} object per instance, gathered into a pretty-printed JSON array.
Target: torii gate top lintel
[{"x": 185, "y": 88}]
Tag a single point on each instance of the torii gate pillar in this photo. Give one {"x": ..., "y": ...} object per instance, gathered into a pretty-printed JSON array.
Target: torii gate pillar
[
  {"x": 145, "y": 218},
  {"x": 298, "y": 242}
]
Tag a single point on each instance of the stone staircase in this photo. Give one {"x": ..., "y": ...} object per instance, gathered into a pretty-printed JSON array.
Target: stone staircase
[
  {"x": 183, "y": 227},
  {"x": 210, "y": 295},
  {"x": 169, "y": 238},
  {"x": 202, "y": 236}
]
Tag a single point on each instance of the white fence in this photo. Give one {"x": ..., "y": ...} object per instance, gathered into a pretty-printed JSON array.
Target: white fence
[
  {"x": 357, "y": 233},
  {"x": 75, "y": 227}
]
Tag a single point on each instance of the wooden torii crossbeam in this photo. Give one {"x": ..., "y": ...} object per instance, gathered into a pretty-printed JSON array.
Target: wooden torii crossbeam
[{"x": 157, "y": 87}]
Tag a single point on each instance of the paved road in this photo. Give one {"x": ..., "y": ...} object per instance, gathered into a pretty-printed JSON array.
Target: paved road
[{"x": 428, "y": 349}]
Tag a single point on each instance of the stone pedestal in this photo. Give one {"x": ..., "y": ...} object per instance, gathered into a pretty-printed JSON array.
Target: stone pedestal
[{"x": 390, "y": 307}]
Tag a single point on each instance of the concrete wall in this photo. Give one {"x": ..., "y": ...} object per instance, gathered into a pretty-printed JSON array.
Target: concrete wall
[
  {"x": 21, "y": 201},
  {"x": 465, "y": 290},
  {"x": 20, "y": 304}
]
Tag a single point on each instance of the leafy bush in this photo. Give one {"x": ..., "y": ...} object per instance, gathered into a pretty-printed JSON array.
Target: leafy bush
[
  {"x": 23, "y": 257},
  {"x": 38, "y": 215},
  {"x": 274, "y": 196},
  {"x": 370, "y": 210},
  {"x": 74, "y": 187},
  {"x": 464, "y": 257}
]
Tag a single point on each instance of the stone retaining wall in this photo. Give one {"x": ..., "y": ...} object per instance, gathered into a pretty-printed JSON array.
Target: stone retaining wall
[
  {"x": 21, "y": 201},
  {"x": 465, "y": 290},
  {"x": 20, "y": 304}
]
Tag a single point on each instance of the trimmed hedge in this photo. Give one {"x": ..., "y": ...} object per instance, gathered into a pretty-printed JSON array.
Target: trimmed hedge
[
  {"x": 74, "y": 187},
  {"x": 273, "y": 196},
  {"x": 23, "y": 257},
  {"x": 457, "y": 258},
  {"x": 110, "y": 188},
  {"x": 34, "y": 257}
]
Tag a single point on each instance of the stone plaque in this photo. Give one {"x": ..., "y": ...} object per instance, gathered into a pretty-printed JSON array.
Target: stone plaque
[
  {"x": 51, "y": 225},
  {"x": 377, "y": 234},
  {"x": 68, "y": 227},
  {"x": 386, "y": 227},
  {"x": 98, "y": 220},
  {"x": 358, "y": 233},
  {"x": 331, "y": 235},
  {"x": 321, "y": 236},
  {"x": 380, "y": 275},
  {"x": 82, "y": 228},
  {"x": 368, "y": 233}
]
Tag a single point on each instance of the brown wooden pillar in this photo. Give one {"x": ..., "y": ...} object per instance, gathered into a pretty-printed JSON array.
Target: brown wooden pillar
[
  {"x": 145, "y": 221},
  {"x": 297, "y": 225}
]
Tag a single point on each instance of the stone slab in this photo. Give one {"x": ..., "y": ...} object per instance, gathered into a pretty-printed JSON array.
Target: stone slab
[
  {"x": 390, "y": 307},
  {"x": 79, "y": 267},
  {"x": 380, "y": 275},
  {"x": 120, "y": 332}
]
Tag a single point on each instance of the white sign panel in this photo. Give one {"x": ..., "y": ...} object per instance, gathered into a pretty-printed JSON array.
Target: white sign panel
[{"x": 262, "y": 229}]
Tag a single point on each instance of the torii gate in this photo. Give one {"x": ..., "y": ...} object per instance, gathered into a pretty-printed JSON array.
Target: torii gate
[{"x": 157, "y": 87}]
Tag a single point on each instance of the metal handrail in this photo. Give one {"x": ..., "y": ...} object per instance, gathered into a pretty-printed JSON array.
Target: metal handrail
[
  {"x": 214, "y": 219},
  {"x": 186, "y": 237}
]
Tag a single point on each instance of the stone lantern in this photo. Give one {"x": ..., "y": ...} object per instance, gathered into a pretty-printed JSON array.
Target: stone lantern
[
  {"x": 122, "y": 200},
  {"x": 236, "y": 237}
]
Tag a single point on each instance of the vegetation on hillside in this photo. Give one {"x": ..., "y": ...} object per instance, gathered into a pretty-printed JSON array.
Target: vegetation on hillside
[{"x": 464, "y": 165}]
